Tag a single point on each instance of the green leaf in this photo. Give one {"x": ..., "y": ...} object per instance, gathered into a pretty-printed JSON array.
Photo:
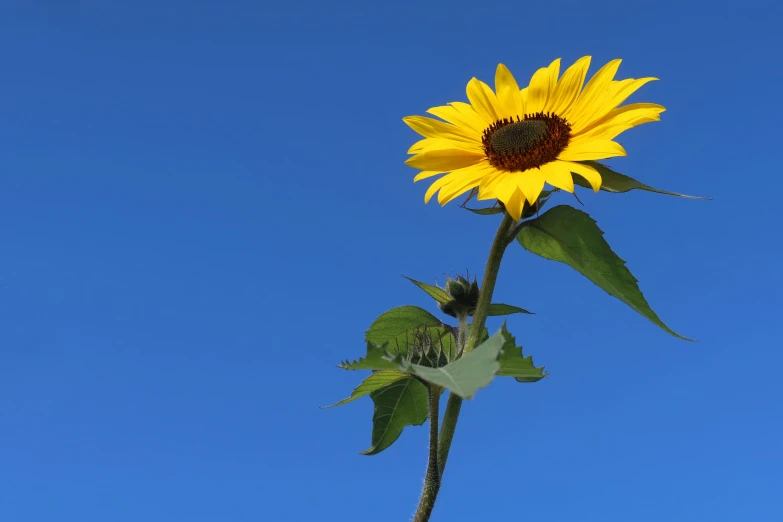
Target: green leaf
[
  {"x": 514, "y": 364},
  {"x": 396, "y": 325},
  {"x": 486, "y": 211},
  {"x": 377, "y": 358},
  {"x": 469, "y": 373},
  {"x": 612, "y": 181},
  {"x": 463, "y": 377},
  {"x": 504, "y": 309},
  {"x": 436, "y": 293},
  {"x": 572, "y": 237},
  {"x": 372, "y": 383},
  {"x": 402, "y": 403}
]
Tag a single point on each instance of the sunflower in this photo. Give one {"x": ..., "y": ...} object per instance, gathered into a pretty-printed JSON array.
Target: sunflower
[{"x": 508, "y": 143}]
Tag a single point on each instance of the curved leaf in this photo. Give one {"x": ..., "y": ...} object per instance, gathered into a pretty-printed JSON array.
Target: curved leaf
[
  {"x": 504, "y": 309},
  {"x": 374, "y": 382},
  {"x": 514, "y": 364},
  {"x": 572, "y": 237},
  {"x": 398, "y": 320},
  {"x": 464, "y": 376},
  {"x": 377, "y": 358},
  {"x": 436, "y": 293},
  {"x": 402, "y": 403},
  {"x": 486, "y": 211},
  {"x": 612, "y": 181}
]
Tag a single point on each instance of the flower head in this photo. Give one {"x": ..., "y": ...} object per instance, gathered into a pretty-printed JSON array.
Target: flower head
[{"x": 509, "y": 142}]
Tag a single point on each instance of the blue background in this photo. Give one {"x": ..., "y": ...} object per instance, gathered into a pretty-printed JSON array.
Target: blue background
[{"x": 202, "y": 207}]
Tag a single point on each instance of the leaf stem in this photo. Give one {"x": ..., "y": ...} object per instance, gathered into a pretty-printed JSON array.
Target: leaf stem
[
  {"x": 442, "y": 446},
  {"x": 432, "y": 478},
  {"x": 462, "y": 332}
]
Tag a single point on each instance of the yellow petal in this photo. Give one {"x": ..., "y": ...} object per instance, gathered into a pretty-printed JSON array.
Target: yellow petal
[
  {"x": 523, "y": 97},
  {"x": 488, "y": 184},
  {"x": 432, "y": 128},
  {"x": 591, "y": 150},
  {"x": 514, "y": 204},
  {"x": 428, "y": 144},
  {"x": 619, "y": 92},
  {"x": 621, "y": 119},
  {"x": 483, "y": 100},
  {"x": 467, "y": 120},
  {"x": 569, "y": 87},
  {"x": 531, "y": 183},
  {"x": 436, "y": 186},
  {"x": 504, "y": 190},
  {"x": 596, "y": 90},
  {"x": 416, "y": 147},
  {"x": 554, "y": 74},
  {"x": 558, "y": 176},
  {"x": 510, "y": 102},
  {"x": 424, "y": 174},
  {"x": 462, "y": 181},
  {"x": 538, "y": 91},
  {"x": 589, "y": 173},
  {"x": 444, "y": 160},
  {"x": 622, "y": 90}
]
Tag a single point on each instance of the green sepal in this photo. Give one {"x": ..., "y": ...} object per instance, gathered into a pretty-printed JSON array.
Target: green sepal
[
  {"x": 529, "y": 210},
  {"x": 504, "y": 309},
  {"x": 459, "y": 296},
  {"x": 487, "y": 211},
  {"x": 402, "y": 403},
  {"x": 571, "y": 236},
  {"x": 612, "y": 181},
  {"x": 436, "y": 293},
  {"x": 372, "y": 383}
]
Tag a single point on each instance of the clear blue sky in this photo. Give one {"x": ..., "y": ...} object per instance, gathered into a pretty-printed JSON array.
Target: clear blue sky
[{"x": 203, "y": 206}]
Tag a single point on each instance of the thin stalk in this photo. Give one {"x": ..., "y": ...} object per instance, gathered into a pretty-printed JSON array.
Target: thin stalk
[
  {"x": 432, "y": 478},
  {"x": 462, "y": 333},
  {"x": 454, "y": 404}
]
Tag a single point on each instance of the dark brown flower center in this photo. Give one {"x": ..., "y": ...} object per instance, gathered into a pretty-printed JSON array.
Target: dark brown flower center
[{"x": 527, "y": 143}]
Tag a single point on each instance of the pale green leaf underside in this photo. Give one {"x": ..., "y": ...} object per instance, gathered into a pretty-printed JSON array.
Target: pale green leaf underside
[
  {"x": 504, "y": 309},
  {"x": 466, "y": 375},
  {"x": 372, "y": 383},
  {"x": 400, "y": 404},
  {"x": 469, "y": 373},
  {"x": 612, "y": 181},
  {"x": 570, "y": 236}
]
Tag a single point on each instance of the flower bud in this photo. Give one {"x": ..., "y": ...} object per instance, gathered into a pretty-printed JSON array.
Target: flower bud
[
  {"x": 427, "y": 348},
  {"x": 463, "y": 296}
]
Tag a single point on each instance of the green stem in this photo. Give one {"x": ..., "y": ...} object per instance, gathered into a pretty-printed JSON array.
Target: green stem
[
  {"x": 462, "y": 332},
  {"x": 442, "y": 446},
  {"x": 432, "y": 478},
  {"x": 502, "y": 240}
]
